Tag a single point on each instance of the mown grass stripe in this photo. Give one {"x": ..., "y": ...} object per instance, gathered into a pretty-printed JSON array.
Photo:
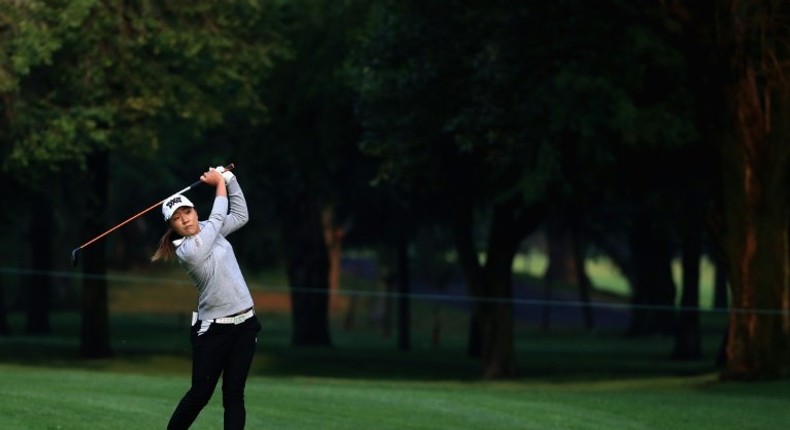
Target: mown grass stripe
[{"x": 42, "y": 398}]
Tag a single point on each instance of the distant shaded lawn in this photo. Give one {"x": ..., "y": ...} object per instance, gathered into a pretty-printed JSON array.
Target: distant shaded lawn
[
  {"x": 363, "y": 352},
  {"x": 150, "y": 317}
]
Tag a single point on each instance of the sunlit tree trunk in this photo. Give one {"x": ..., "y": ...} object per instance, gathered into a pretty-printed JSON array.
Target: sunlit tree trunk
[
  {"x": 333, "y": 236},
  {"x": 755, "y": 182},
  {"x": 755, "y": 240},
  {"x": 738, "y": 53}
]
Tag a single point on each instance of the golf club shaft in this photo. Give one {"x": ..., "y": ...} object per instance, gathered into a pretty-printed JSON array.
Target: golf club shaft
[{"x": 139, "y": 214}]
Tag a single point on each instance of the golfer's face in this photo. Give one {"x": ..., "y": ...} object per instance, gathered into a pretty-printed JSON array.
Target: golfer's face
[{"x": 184, "y": 221}]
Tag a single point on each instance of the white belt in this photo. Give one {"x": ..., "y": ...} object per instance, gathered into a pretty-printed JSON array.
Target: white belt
[{"x": 237, "y": 319}]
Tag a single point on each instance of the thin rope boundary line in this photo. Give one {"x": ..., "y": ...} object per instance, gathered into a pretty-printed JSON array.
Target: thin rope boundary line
[{"x": 420, "y": 296}]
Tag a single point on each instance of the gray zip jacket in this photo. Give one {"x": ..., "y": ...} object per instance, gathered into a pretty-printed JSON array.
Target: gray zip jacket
[{"x": 209, "y": 259}]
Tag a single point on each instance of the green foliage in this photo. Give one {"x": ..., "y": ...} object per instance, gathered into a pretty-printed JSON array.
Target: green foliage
[
  {"x": 307, "y": 145},
  {"x": 410, "y": 72},
  {"x": 93, "y": 75},
  {"x": 25, "y": 43},
  {"x": 487, "y": 81}
]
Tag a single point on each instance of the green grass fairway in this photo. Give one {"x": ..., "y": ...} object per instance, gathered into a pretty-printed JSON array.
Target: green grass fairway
[
  {"x": 568, "y": 377},
  {"x": 37, "y": 398}
]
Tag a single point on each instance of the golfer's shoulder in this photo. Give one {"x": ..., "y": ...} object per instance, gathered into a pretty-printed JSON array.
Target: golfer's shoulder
[{"x": 189, "y": 246}]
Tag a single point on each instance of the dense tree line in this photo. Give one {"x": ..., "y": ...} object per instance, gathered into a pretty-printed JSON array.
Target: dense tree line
[{"x": 641, "y": 129}]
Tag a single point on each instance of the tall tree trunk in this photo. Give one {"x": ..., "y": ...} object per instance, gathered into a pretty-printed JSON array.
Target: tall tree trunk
[
  {"x": 3, "y": 313},
  {"x": 582, "y": 279},
  {"x": 688, "y": 339},
  {"x": 653, "y": 298},
  {"x": 721, "y": 299},
  {"x": 38, "y": 289},
  {"x": 474, "y": 347},
  {"x": 473, "y": 275},
  {"x": 561, "y": 266},
  {"x": 307, "y": 262},
  {"x": 333, "y": 237},
  {"x": 756, "y": 239},
  {"x": 496, "y": 316},
  {"x": 738, "y": 51},
  {"x": 404, "y": 305},
  {"x": 491, "y": 285},
  {"x": 95, "y": 326}
]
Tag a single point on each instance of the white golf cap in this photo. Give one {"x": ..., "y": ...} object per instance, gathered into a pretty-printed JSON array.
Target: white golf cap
[{"x": 172, "y": 203}]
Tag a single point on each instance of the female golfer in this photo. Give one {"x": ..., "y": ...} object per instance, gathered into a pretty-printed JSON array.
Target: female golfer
[{"x": 225, "y": 327}]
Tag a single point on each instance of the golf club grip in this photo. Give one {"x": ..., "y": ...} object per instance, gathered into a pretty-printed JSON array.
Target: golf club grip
[{"x": 198, "y": 182}]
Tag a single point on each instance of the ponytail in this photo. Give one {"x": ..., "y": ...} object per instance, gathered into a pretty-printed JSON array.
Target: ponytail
[{"x": 166, "y": 251}]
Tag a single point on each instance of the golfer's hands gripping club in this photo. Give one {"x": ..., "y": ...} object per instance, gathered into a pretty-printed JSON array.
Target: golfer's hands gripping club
[
  {"x": 227, "y": 174},
  {"x": 214, "y": 178}
]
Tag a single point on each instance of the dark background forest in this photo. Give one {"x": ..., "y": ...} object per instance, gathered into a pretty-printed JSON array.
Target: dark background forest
[{"x": 436, "y": 138}]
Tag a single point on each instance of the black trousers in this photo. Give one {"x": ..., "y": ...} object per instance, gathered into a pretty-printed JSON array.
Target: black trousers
[{"x": 226, "y": 350}]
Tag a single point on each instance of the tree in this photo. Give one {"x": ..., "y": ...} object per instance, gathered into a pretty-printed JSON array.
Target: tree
[
  {"x": 738, "y": 56},
  {"x": 459, "y": 106},
  {"x": 306, "y": 150},
  {"x": 406, "y": 83}
]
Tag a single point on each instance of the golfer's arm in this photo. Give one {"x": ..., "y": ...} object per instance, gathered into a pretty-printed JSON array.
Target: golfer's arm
[
  {"x": 222, "y": 190},
  {"x": 238, "y": 214}
]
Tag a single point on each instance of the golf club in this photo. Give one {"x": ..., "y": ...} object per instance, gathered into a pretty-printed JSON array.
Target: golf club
[{"x": 139, "y": 214}]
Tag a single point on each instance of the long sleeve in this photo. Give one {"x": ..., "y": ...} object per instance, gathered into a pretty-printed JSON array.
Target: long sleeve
[
  {"x": 238, "y": 215},
  {"x": 211, "y": 263}
]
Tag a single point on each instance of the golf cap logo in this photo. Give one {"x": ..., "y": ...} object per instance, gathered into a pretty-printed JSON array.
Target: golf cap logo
[{"x": 174, "y": 202}]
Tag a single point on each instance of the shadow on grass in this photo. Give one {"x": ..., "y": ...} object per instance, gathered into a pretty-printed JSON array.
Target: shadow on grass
[
  {"x": 571, "y": 358},
  {"x": 156, "y": 344}
]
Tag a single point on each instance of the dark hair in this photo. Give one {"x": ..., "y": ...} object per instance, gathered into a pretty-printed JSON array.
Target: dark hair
[{"x": 165, "y": 251}]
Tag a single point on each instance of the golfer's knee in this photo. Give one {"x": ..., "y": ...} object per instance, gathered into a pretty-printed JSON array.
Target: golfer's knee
[
  {"x": 198, "y": 397},
  {"x": 232, "y": 398}
]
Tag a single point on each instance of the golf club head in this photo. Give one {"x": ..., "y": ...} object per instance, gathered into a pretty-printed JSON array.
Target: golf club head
[{"x": 74, "y": 256}]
